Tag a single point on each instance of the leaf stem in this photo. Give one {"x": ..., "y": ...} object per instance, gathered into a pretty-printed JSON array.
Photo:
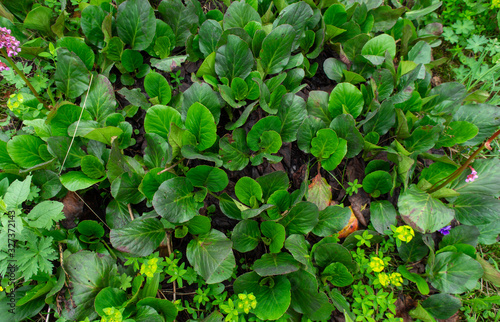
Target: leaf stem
[
  {"x": 457, "y": 172},
  {"x": 21, "y": 73}
]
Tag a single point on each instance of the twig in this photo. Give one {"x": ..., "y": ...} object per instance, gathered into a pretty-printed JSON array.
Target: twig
[
  {"x": 169, "y": 250},
  {"x": 130, "y": 212},
  {"x": 171, "y": 167},
  {"x": 92, "y": 210},
  {"x": 48, "y": 315}
]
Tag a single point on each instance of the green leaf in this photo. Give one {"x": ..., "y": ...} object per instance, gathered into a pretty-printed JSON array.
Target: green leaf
[
  {"x": 35, "y": 258},
  {"x": 138, "y": 237},
  {"x": 383, "y": 215},
  {"x": 136, "y": 23},
  {"x": 49, "y": 183},
  {"x": 23, "y": 149},
  {"x": 59, "y": 146},
  {"x": 270, "y": 142},
  {"x": 292, "y": 113},
  {"x": 488, "y": 182},
  {"x": 131, "y": 60},
  {"x": 201, "y": 123},
  {"x": 39, "y": 19},
  {"x": 89, "y": 273},
  {"x": 245, "y": 236},
  {"x": 275, "y": 264},
  {"x": 307, "y": 131},
  {"x": 71, "y": 76},
  {"x": 276, "y": 49},
  {"x": 235, "y": 154},
  {"x": 90, "y": 228},
  {"x": 157, "y": 86},
  {"x": 335, "y": 15},
  {"x": 375, "y": 48},
  {"x": 210, "y": 32},
  {"x": 76, "y": 180},
  {"x": 92, "y": 167},
  {"x": 381, "y": 120},
  {"x": 17, "y": 193},
  {"x": 331, "y": 220},
  {"x": 239, "y": 88},
  {"x": 211, "y": 256},
  {"x": 456, "y": 133},
  {"x": 333, "y": 67},
  {"x": 234, "y": 59},
  {"x": 485, "y": 117},
  {"x": 239, "y": 14},
  {"x": 423, "y": 138},
  {"x": 118, "y": 215},
  {"x": 275, "y": 233},
  {"x": 272, "y": 182},
  {"x": 101, "y": 100},
  {"x": 165, "y": 307},
  {"x": 158, "y": 152},
  {"x": 377, "y": 183},
  {"x": 152, "y": 181},
  {"x": 213, "y": 179},
  {"x": 306, "y": 299},
  {"x": 45, "y": 214},
  {"x": 203, "y": 94},
  {"x": 126, "y": 188},
  {"x": 104, "y": 134},
  {"x": 328, "y": 252},
  {"x": 422, "y": 285},
  {"x": 268, "y": 123},
  {"x": 421, "y": 211},
  {"x": 338, "y": 275},
  {"x": 476, "y": 209},
  {"x": 174, "y": 200},
  {"x": 91, "y": 23},
  {"x": 272, "y": 294},
  {"x": 345, "y": 98},
  {"x": 414, "y": 250},
  {"x": 199, "y": 225},
  {"x": 454, "y": 273},
  {"x": 324, "y": 144},
  {"x": 79, "y": 47},
  {"x": 301, "y": 219},
  {"x": 247, "y": 189},
  {"x": 462, "y": 234},
  {"x": 442, "y": 306},
  {"x": 109, "y": 297},
  {"x": 159, "y": 118}
]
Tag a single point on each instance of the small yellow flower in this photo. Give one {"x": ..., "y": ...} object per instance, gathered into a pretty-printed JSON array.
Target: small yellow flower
[
  {"x": 404, "y": 233},
  {"x": 495, "y": 4},
  {"x": 112, "y": 315},
  {"x": 150, "y": 268},
  {"x": 396, "y": 279},
  {"x": 377, "y": 264},
  {"x": 384, "y": 279},
  {"x": 1, "y": 289},
  {"x": 242, "y": 296},
  {"x": 251, "y": 297}
]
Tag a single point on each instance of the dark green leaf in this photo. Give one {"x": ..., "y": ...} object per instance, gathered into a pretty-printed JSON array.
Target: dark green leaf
[{"x": 136, "y": 23}]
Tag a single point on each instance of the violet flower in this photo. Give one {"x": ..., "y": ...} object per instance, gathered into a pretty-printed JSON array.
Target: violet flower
[
  {"x": 9, "y": 42},
  {"x": 445, "y": 230},
  {"x": 473, "y": 176}
]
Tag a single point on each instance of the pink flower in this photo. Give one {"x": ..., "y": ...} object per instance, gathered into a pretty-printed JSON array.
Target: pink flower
[
  {"x": 3, "y": 67},
  {"x": 8, "y": 42},
  {"x": 473, "y": 176}
]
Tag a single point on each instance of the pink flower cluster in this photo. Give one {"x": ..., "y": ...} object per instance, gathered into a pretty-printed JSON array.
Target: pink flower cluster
[
  {"x": 10, "y": 44},
  {"x": 473, "y": 176}
]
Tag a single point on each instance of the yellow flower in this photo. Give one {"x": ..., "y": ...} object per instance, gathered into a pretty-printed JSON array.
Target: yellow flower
[
  {"x": 495, "y": 4},
  {"x": 1, "y": 289},
  {"x": 150, "y": 268},
  {"x": 377, "y": 264},
  {"x": 404, "y": 233},
  {"x": 384, "y": 279},
  {"x": 246, "y": 302},
  {"x": 112, "y": 315},
  {"x": 396, "y": 279}
]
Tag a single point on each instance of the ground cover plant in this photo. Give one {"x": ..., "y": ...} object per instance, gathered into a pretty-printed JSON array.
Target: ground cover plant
[{"x": 243, "y": 161}]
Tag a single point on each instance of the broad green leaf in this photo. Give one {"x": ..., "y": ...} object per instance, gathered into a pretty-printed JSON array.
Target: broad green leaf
[
  {"x": 422, "y": 285},
  {"x": 334, "y": 68},
  {"x": 275, "y": 234},
  {"x": 157, "y": 86},
  {"x": 109, "y": 297},
  {"x": 324, "y": 144},
  {"x": 91, "y": 23},
  {"x": 319, "y": 192},
  {"x": 88, "y": 274},
  {"x": 272, "y": 294},
  {"x": 307, "y": 131},
  {"x": 180, "y": 18},
  {"x": 334, "y": 160},
  {"x": 306, "y": 299},
  {"x": 423, "y": 138},
  {"x": 39, "y": 19},
  {"x": 276, "y": 49},
  {"x": 269, "y": 123},
  {"x": 234, "y": 59},
  {"x": 271, "y": 182},
  {"x": 131, "y": 60},
  {"x": 292, "y": 113},
  {"x": 414, "y": 250},
  {"x": 201, "y": 123},
  {"x": 247, "y": 189},
  {"x": 235, "y": 154},
  {"x": 92, "y": 167},
  {"x": 476, "y": 209},
  {"x": 6, "y": 161},
  {"x": 152, "y": 181},
  {"x": 71, "y": 76},
  {"x": 421, "y": 211},
  {"x": 114, "y": 49},
  {"x": 329, "y": 251},
  {"x": 301, "y": 219},
  {"x": 104, "y": 134},
  {"x": 126, "y": 188},
  {"x": 487, "y": 183},
  {"x": 239, "y": 88},
  {"x": 245, "y": 236},
  {"x": 456, "y": 133},
  {"x": 48, "y": 182},
  {"x": 211, "y": 256},
  {"x": 377, "y": 183},
  {"x": 139, "y": 237},
  {"x": 270, "y": 142},
  {"x": 23, "y": 149},
  {"x": 442, "y": 306},
  {"x": 299, "y": 248},
  {"x": 77, "y": 180},
  {"x": 454, "y": 273},
  {"x": 210, "y": 32},
  {"x": 163, "y": 306},
  {"x": 78, "y": 47},
  {"x": 485, "y": 117},
  {"x": 118, "y": 215},
  {"x": 192, "y": 152},
  {"x": 437, "y": 171},
  {"x": 275, "y": 264},
  {"x": 345, "y": 98},
  {"x": 420, "y": 53},
  {"x": 158, "y": 152},
  {"x": 337, "y": 274},
  {"x": 462, "y": 234},
  {"x": 213, "y": 179},
  {"x": 335, "y": 15},
  {"x": 101, "y": 101},
  {"x": 175, "y": 202},
  {"x": 17, "y": 193},
  {"x": 331, "y": 220},
  {"x": 136, "y": 23},
  {"x": 299, "y": 15},
  {"x": 383, "y": 215},
  {"x": 239, "y": 14},
  {"x": 159, "y": 118},
  {"x": 375, "y": 48},
  {"x": 381, "y": 120}
]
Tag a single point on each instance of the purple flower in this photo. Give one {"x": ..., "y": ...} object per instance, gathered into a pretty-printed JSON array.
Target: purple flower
[
  {"x": 3, "y": 67},
  {"x": 473, "y": 176},
  {"x": 9, "y": 42},
  {"x": 445, "y": 230}
]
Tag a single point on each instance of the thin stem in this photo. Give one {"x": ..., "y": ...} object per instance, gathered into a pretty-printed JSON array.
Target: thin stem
[
  {"x": 457, "y": 172},
  {"x": 21, "y": 73}
]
